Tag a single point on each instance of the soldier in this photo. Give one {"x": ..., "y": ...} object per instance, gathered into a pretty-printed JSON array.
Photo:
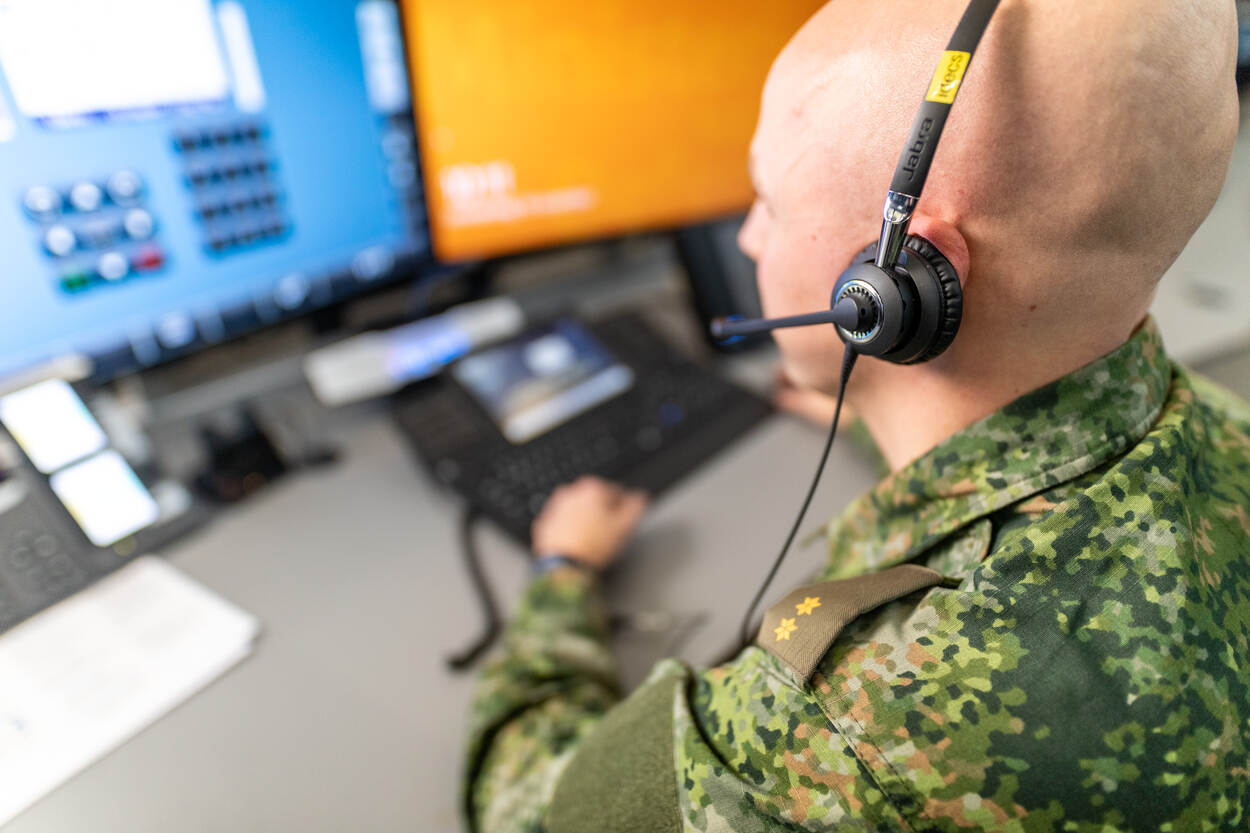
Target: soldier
[{"x": 1040, "y": 620}]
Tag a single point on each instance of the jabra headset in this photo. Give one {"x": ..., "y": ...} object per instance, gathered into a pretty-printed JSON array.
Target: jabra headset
[{"x": 900, "y": 299}]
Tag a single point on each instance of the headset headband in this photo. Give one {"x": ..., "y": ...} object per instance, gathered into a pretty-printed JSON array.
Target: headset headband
[{"x": 913, "y": 165}]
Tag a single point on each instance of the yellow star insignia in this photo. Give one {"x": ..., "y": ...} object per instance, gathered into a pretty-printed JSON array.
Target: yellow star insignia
[
  {"x": 786, "y": 628},
  {"x": 808, "y": 604}
]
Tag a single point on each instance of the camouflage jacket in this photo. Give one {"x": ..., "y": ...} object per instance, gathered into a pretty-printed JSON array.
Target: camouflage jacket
[{"x": 1079, "y": 665}]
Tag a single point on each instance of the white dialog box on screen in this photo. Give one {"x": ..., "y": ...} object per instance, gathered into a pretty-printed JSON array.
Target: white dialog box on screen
[{"x": 87, "y": 58}]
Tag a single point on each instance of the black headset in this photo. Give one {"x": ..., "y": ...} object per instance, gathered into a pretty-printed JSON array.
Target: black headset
[{"x": 900, "y": 299}]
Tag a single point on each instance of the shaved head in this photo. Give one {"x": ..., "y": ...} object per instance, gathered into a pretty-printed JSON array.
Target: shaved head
[{"x": 1088, "y": 143}]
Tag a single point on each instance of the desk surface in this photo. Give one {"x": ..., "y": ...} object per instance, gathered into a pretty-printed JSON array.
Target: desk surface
[{"x": 345, "y": 718}]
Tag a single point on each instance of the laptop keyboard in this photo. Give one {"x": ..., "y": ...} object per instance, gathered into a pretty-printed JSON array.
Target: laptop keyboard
[{"x": 677, "y": 415}]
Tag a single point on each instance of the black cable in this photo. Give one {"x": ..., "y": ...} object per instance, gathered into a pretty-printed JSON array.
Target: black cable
[
  {"x": 848, "y": 364},
  {"x": 464, "y": 659}
]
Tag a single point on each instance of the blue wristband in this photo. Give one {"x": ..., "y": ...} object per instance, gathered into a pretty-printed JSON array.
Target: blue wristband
[{"x": 544, "y": 564}]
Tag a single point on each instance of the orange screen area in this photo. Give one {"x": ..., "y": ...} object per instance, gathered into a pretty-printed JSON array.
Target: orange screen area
[{"x": 549, "y": 121}]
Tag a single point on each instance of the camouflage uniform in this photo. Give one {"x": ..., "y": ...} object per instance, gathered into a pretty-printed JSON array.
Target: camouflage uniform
[{"x": 1077, "y": 665}]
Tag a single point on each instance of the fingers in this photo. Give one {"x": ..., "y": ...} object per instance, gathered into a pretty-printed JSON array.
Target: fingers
[
  {"x": 633, "y": 506},
  {"x": 589, "y": 520},
  {"x": 596, "y": 492},
  {"x": 597, "y": 488},
  {"x": 623, "y": 506}
]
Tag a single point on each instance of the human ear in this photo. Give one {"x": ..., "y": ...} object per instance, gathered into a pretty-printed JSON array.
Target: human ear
[{"x": 948, "y": 239}]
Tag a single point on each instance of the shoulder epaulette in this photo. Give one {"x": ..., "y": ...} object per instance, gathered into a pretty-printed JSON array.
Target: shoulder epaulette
[{"x": 800, "y": 629}]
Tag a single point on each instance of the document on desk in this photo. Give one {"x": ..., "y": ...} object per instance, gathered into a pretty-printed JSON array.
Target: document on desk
[{"x": 81, "y": 678}]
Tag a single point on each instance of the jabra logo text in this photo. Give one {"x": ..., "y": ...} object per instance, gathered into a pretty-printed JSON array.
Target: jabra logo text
[{"x": 917, "y": 148}]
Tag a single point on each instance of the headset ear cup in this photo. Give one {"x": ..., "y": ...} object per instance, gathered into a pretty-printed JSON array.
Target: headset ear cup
[
  {"x": 952, "y": 312},
  {"x": 951, "y": 307}
]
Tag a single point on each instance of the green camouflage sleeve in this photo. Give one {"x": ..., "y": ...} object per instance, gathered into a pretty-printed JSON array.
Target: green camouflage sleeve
[{"x": 534, "y": 705}]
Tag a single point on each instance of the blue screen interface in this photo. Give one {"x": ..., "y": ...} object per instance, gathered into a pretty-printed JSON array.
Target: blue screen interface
[{"x": 176, "y": 172}]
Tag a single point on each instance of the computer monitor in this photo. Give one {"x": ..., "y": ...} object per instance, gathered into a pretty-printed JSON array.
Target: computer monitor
[
  {"x": 551, "y": 121},
  {"x": 176, "y": 172}
]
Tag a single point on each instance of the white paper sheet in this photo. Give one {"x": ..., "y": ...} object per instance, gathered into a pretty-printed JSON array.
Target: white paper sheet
[{"x": 82, "y": 677}]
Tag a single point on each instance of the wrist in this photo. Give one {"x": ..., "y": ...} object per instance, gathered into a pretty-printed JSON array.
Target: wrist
[{"x": 548, "y": 562}]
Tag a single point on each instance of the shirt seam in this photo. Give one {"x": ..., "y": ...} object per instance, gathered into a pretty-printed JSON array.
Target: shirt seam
[
  {"x": 790, "y": 678},
  {"x": 842, "y": 702}
]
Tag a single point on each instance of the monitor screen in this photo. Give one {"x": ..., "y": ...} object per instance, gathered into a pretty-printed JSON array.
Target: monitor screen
[
  {"x": 550, "y": 121},
  {"x": 176, "y": 172}
]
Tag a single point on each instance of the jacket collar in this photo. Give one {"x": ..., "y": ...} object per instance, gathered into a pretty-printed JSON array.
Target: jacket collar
[{"x": 1044, "y": 438}]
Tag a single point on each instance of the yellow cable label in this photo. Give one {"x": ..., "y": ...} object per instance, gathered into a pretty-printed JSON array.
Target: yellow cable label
[{"x": 948, "y": 77}]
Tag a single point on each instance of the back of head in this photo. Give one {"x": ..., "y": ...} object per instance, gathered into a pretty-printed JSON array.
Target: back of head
[
  {"x": 1088, "y": 143},
  {"x": 1096, "y": 141}
]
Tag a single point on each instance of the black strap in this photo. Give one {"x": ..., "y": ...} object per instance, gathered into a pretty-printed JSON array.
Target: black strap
[
  {"x": 913, "y": 165},
  {"x": 464, "y": 659}
]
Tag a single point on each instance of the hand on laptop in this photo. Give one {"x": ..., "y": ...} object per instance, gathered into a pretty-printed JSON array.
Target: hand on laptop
[{"x": 589, "y": 521}]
